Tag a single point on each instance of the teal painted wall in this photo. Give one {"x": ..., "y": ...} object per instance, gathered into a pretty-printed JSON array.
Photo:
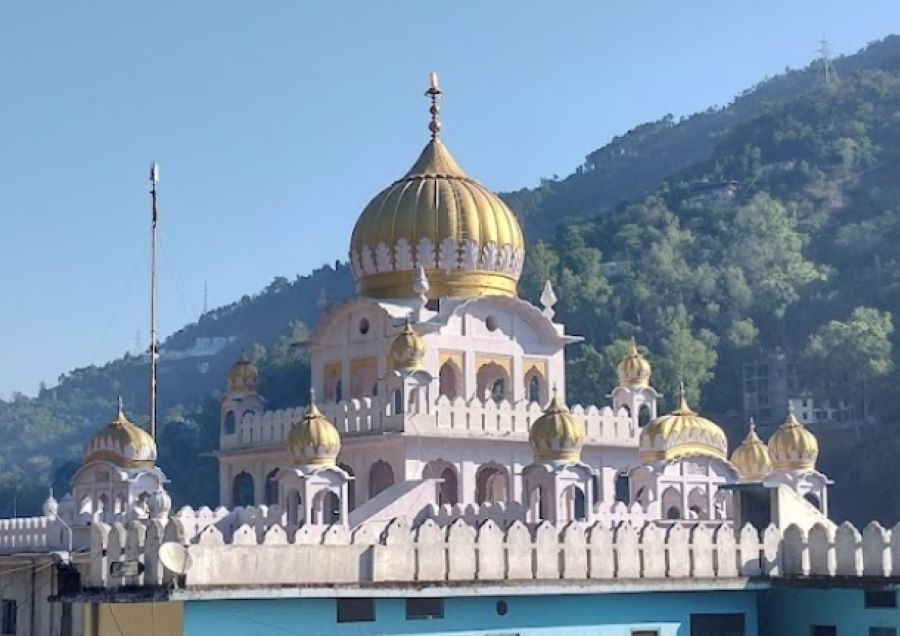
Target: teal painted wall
[
  {"x": 792, "y": 611},
  {"x": 569, "y": 615}
]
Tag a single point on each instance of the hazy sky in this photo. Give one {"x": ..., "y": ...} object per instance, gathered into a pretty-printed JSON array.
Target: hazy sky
[{"x": 275, "y": 122}]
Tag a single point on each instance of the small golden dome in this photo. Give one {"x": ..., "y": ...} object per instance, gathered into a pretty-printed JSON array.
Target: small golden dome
[
  {"x": 242, "y": 376},
  {"x": 634, "y": 370},
  {"x": 436, "y": 217},
  {"x": 682, "y": 433},
  {"x": 751, "y": 458},
  {"x": 408, "y": 349},
  {"x": 122, "y": 443},
  {"x": 314, "y": 440},
  {"x": 557, "y": 435},
  {"x": 793, "y": 447}
]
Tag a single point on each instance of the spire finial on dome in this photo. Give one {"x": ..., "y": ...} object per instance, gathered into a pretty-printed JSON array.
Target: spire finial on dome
[
  {"x": 752, "y": 424},
  {"x": 121, "y": 410},
  {"x": 434, "y": 92}
]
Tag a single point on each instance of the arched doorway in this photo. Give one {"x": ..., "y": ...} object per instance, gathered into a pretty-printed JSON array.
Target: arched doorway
[
  {"x": 574, "y": 500},
  {"x": 623, "y": 488},
  {"x": 671, "y": 503},
  {"x": 242, "y": 490},
  {"x": 535, "y": 386},
  {"x": 537, "y": 505},
  {"x": 381, "y": 477},
  {"x": 449, "y": 380},
  {"x": 362, "y": 377},
  {"x": 492, "y": 484},
  {"x": 271, "y": 488}
]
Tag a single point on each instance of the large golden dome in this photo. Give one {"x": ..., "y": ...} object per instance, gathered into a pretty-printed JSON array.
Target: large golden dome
[
  {"x": 682, "y": 433},
  {"x": 557, "y": 435},
  {"x": 793, "y": 447},
  {"x": 314, "y": 440},
  {"x": 751, "y": 458},
  {"x": 122, "y": 443},
  {"x": 436, "y": 217}
]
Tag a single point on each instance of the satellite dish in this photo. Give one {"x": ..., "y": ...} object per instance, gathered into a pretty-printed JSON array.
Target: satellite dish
[{"x": 175, "y": 557}]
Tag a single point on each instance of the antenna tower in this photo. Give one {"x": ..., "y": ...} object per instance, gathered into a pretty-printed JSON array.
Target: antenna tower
[{"x": 154, "y": 179}]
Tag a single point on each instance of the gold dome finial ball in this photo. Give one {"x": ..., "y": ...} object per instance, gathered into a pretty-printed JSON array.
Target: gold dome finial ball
[
  {"x": 242, "y": 376},
  {"x": 682, "y": 433},
  {"x": 557, "y": 435},
  {"x": 122, "y": 443},
  {"x": 313, "y": 440},
  {"x": 633, "y": 369},
  {"x": 408, "y": 349},
  {"x": 793, "y": 447},
  {"x": 751, "y": 458}
]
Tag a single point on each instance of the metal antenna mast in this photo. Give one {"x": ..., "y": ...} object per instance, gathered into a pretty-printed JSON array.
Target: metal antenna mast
[{"x": 154, "y": 179}]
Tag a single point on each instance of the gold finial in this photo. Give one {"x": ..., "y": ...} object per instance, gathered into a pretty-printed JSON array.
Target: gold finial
[
  {"x": 752, "y": 425},
  {"x": 434, "y": 92}
]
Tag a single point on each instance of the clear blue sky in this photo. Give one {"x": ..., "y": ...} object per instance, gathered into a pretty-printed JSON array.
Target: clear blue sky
[{"x": 275, "y": 122}]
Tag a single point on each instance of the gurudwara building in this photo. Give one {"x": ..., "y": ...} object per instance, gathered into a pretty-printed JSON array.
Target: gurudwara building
[{"x": 436, "y": 480}]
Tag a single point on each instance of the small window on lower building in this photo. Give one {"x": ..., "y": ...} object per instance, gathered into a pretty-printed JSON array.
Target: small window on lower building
[
  {"x": 355, "y": 610},
  {"x": 424, "y": 608},
  {"x": 822, "y": 630},
  {"x": 645, "y": 632},
  {"x": 881, "y": 599},
  {"x": 717, "y": 625},
  {"x": 8, "y": 617},
  {"x": 882, "y": 631}
]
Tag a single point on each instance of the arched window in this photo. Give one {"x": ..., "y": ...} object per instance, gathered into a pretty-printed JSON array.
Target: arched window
[
  {"x": 492, "y": 382},
  {"x": 242, "y": 490},
  {"x": 229, "y": 426},
  {"x": 381, "y": 476},
  {"x": 492, "y": 484},
  {"x": 326, "y": 507},
  {"x": 351, "y": 486},
  {"x": 398, "y": 401},
  {"x": 575, "y": 503},
  {"x": 338, "y": 391},
  {"x": 671, "y": 503},
  {"x": 103, "y": 506},
  {"x": 119, "y": 505},
  {"x": 362, "y": 377},
  {"x": 271, "y": 488},
  {"x": 644, "y": 415},
  {"x": 534, "y": 389},
  {"x": 537, "y": 505},
  {"x": 448, "y": 380}
]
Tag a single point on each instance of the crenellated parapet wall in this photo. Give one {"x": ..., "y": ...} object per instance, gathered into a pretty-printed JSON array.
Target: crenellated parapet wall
[
  {"x": 24, "y": 534},
  {"x": 252, "y": 555},
  {"x": 445, "y": 416}
]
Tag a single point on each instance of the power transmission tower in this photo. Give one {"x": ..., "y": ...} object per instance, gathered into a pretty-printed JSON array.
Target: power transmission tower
[
  {"x": 205, "y": 299},
  {"x": 824, "y": 51}
]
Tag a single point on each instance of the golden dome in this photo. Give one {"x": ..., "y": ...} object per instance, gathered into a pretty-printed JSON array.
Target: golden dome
[
  {"x": 408, "y": 349},
  {"x": 751, "y": 458},
  {"x": 314, "y": 440},
  {"x": 793, "y": 447},
  {"x": 682, "y": 433},
  {"x": 436, "y": 217},
  {"x": 557, "y": 435},
  {"x": 634, "y": 370},
  {"x": 122, "y": 443},
  {"x": 242, "y": 376}
]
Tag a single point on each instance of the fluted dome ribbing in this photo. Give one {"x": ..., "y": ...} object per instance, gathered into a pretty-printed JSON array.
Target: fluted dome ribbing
[
  {"x": 408, "y": 349},
  {"x": 634, "y": 370},
  {"x": 314, "y": 440},
  {"x": 751, "y": 458},
  {"x": 682, "y": 433},
  {"x": 793, "y": 446},
  {"x": 242, "y": 376},
  {"x": 557, "y": 435},
  {"x": 122, "y": 443},
  {"x": 463, "y": 235}
]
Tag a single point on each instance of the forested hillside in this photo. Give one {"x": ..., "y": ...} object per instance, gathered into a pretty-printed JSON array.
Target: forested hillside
[{"x": 771, "y": 223}]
